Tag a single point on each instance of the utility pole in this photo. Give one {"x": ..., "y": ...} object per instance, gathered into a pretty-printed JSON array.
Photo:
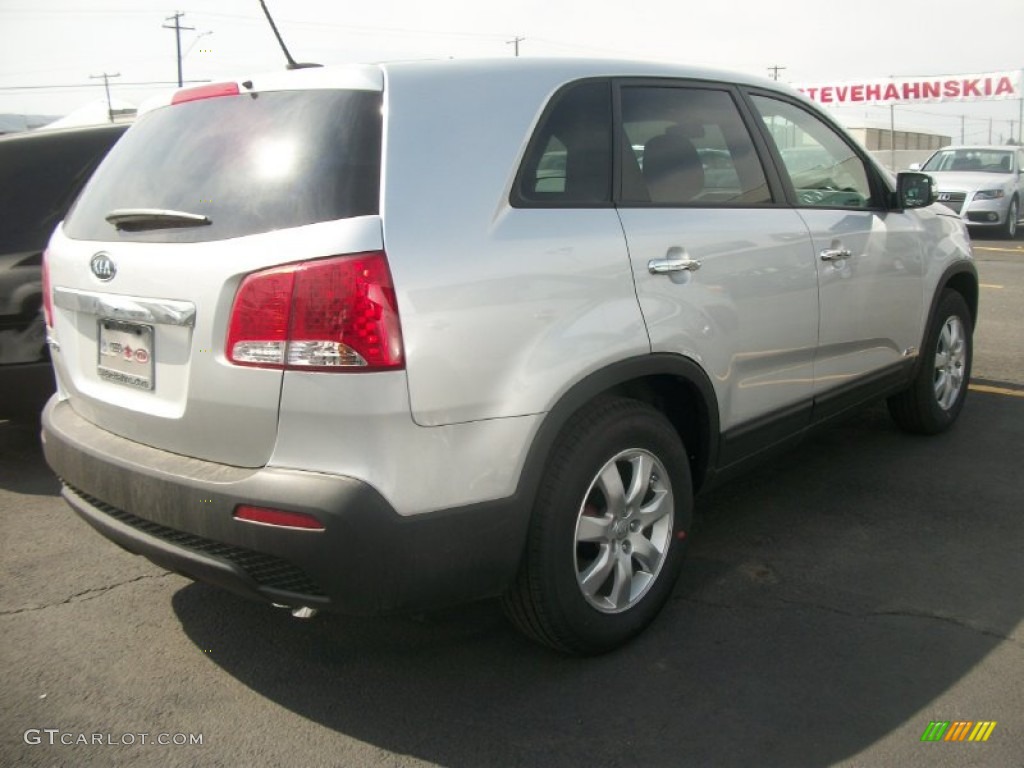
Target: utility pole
[
  {"x": 892, "y": 136},
  {"x": 775, "y": 72},
  {"x": 106, "y": 85},
  {"x": 515, "y": 41},
  {"x": 176, "y": 18},
  {"x": 1020, "y": 139}
]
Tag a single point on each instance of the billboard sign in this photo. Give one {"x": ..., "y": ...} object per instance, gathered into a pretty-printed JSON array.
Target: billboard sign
[{"x": 987, "y": 86}]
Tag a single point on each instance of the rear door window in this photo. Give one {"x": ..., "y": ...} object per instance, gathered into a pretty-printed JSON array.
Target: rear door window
[
  {"x": 688, "y": 146},
  {"x": 250, "y": 163}
]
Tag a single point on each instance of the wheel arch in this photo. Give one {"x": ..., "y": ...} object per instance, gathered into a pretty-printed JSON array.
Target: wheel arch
[
  {"x": 961, "y": 277},
  {"x": 675, "y": 385}
]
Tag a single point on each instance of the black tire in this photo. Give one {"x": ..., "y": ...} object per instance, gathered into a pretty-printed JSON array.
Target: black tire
[
  {"x": 935, "y": 398},
  {"x": 1009, "y": 228},
  {"x": 575, "y": 531}
]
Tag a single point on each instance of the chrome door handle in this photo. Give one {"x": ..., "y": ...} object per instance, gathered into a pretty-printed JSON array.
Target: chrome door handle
[
  {"x": 666, "y": 266},
  {"x": 835, "y": 254}
]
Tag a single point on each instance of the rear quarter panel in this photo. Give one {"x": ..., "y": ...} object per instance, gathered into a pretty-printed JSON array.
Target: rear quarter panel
[{"x": 502, "y": 308}]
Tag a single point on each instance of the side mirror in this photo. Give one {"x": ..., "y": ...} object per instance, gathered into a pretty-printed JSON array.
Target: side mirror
[
  {"x": 915, "y": 190},
  {"x": 915, "y": 166}
]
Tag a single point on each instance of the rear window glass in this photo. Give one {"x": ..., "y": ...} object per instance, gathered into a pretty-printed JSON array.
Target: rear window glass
[{"x": 250, "y": 163}]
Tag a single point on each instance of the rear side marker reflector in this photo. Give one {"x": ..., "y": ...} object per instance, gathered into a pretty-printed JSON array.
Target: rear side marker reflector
[
  {"x": 47, "y": 291},
  {"x": 205, "y": 92},
  {"x": 277, "y": 517}
]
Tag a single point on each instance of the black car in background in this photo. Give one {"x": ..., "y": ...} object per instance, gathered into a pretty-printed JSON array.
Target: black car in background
[{"x": 41, "y": 173}]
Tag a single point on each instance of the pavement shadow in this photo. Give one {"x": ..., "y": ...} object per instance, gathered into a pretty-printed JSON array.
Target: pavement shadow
[
  {"x": 22, "y": 469},
  {"x": 829, "y": 597}
]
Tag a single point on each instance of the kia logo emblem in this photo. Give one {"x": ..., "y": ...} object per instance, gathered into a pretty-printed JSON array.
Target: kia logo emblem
[{"x": 103, "y": 266}]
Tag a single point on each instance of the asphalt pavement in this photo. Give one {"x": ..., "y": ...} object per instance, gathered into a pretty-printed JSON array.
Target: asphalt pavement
[{"x": 836, "y": 602}]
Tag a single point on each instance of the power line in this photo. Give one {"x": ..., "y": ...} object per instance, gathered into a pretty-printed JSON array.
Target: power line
[
  {"x": 80, "y": 11},
  {"x": 775, "y": 71},
  {"x": 515, "y": 41},
  {"x": 66, "y": 86}
]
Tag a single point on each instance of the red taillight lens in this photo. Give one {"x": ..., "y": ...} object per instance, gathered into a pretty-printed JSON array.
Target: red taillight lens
[
  {"x": 328, "y": 315},
  {"x": 47, "y": 293},
  {"x": 278, "y": 517},
  {"x": 205, "y": 92},
  {"x": 258, "y": 334}
]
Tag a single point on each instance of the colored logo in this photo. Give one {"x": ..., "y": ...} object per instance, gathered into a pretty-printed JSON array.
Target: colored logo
[{"x": 958, "y": 730}]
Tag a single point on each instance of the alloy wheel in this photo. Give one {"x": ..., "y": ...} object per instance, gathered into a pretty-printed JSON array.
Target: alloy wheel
[
  {"x": 623, "y": 530},
  {"x": 950, "y": 359}
]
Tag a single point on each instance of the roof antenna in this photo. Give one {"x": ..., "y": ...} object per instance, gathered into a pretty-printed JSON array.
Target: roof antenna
[{"x": 292, "y": 63}]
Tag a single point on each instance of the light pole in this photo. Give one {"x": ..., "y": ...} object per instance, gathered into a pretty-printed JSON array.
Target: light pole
[
  {"x": 199, "y": 37},
  {"x": 188, "y": 50}
]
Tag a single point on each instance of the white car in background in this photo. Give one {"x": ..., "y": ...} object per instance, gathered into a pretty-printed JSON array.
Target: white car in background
[{"x": 985, "y": 185}]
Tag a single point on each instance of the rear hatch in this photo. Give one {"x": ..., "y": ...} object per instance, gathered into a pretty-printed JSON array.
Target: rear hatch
[{"x": 225, "y": 181}]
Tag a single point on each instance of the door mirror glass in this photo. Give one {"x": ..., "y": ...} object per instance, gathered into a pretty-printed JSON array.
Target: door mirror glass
[{"x": 915, "y": 190}]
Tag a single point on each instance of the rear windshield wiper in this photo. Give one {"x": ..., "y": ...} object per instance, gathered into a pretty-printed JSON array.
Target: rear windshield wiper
[{"x": 138, "y": 219}]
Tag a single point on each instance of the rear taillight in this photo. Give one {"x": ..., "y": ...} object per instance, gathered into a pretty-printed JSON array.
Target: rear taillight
[
  {"x": 47, "y": 293},
  {"x": 336, "y": 314}
]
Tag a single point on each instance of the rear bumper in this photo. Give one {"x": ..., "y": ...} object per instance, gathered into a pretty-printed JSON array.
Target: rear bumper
[{"x": 178, "y": 512}]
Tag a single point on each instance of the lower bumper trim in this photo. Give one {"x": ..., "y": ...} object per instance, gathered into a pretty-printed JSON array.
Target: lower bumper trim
[{"x": 269, "y": 575}]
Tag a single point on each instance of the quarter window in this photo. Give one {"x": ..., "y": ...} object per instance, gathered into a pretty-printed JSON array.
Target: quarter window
[
  {"x": 569, "y": 162},
  {"x": 823, "y": 167}
]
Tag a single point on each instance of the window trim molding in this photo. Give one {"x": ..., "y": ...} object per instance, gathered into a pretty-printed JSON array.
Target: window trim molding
[{"x": 515, "y": 197}]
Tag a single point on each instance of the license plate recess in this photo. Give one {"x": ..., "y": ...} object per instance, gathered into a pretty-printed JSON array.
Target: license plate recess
[{"x": 125, "y": 353}]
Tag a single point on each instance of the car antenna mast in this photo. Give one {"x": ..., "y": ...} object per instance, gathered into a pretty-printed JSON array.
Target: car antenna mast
[{"x": 292, "y": 63}]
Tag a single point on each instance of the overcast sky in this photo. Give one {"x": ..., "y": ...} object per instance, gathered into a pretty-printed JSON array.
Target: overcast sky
[{"x": 64, "y": 42}]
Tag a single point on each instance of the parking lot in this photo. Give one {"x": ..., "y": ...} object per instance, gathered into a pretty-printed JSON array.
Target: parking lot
[{"x": 836, "y": 601}]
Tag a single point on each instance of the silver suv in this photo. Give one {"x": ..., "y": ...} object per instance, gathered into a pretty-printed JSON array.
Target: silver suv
[{"x": 391, "y": 337}]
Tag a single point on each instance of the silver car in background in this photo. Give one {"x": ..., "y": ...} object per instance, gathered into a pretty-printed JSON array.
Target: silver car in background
[{"x": 983, "y": 184}]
